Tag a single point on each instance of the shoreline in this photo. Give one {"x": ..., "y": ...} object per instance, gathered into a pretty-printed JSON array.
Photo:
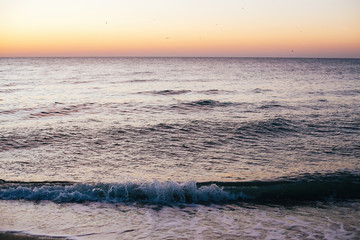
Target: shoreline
[{"x": 24, "y": 236}]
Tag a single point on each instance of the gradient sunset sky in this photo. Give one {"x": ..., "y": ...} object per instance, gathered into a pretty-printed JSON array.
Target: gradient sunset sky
[{"x": 244, "y": 28}]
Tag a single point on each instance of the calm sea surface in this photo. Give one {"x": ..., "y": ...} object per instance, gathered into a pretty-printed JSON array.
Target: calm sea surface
[{"x": 180, "y": 148}]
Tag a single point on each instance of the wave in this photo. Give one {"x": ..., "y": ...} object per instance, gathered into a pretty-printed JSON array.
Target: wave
[
  {"x": 207, "y": 103},
  {"x": 62, "y": 111},
  {"x": 260, "y": 90},
  {"x": 233, "y": 133},
  {"x": 216, "y": 91},
  {"x": 267, "y": 106},
  {"x": 150, "y": 192},
  {"x": 167, "y": 92},
  {"x": 140, "y": 80},
  {"x": 271, "y": 127},
  {"x": 328, "y": 187},
  {"x": 204, "y": 103}
]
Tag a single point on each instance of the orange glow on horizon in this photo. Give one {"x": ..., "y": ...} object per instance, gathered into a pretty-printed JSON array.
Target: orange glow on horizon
[{"x": 91, "y": 45}]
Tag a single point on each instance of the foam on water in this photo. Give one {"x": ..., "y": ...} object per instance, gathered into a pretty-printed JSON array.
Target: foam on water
[
  {"x": 104, "y": 221},
  {"x": 154, "y": 192}
]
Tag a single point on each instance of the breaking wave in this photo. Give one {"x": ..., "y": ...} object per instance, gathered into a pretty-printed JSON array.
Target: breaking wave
[
  {"x": 151, "y": 192},
  {"x": 325, "y": 187}
]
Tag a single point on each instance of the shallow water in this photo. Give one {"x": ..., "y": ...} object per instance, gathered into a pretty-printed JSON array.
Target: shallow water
[
  {"x": 112, "y": 221},
  {"x": 165, "y": 139}
]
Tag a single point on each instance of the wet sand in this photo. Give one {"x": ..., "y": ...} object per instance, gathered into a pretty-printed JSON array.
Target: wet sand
[{"x": 20, "y": 236}]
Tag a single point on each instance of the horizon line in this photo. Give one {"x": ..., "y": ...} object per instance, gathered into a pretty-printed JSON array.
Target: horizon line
[{"x": 269, "y": 57}]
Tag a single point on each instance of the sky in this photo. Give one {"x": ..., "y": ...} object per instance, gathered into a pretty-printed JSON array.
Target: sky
[{"x": 228, "y": 28}]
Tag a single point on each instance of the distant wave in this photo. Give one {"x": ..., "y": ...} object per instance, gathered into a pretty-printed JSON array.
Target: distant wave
[
  {"x": 146, "y": 73},
  {"x": 310, "y": 188},
  {"x": 9, "y": 90},
  {"x": 204, "y": 103},
  {"x": 274, "y": 104},
  {"x": 215, "y": 92},
  {"x": 167, "y": 92},
  {"x": 140, "y": 80},
  {"x": 208, "y": 103},
  {"x": 267, "y": 106},
  {"x": 271, "y": 127},
  {"x": 259, "y": 90},
  {"x": 61, "y": 111}
]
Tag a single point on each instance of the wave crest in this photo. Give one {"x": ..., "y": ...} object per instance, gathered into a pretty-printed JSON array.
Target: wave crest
[
  {"x": 333, "y": 186},
  {"x": 152, "y": 192}
]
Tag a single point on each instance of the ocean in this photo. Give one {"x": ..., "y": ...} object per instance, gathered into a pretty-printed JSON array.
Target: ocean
[{"x": 180, "y": 148}]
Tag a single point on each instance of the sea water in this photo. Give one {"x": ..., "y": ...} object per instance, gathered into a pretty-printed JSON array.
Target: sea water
[{"x": 180, "y": 148}]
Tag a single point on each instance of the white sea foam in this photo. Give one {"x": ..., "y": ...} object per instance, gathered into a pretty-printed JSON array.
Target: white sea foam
[{"x": 157, "y": 192}]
